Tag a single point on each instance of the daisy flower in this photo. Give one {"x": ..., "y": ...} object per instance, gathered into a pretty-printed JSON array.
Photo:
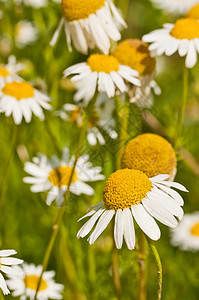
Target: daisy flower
[
  {"x": 101, "y": 118},
  {"x": 25, "y": 33},
  {"x": 89, "y": 24},
  {"x": 53, "y": 175},
  {"x": 186, "y": 234},
  {"x": 151, "y": 154},
  {"x": 174, "y": 6},
  {"x": 135, "y": 54},
  {"x": 25, "y": 285},
  {"x": 10, "y": 70},
  {"x": 20, "y": 99},
  {"x": 182, "y": 36},
  {"x": 102, "y": 72},
  {"x": 6, "y": 261},
  {"x": 131, "y": 194}
]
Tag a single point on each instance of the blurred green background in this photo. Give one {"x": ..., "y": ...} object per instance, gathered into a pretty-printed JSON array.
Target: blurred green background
[{"x": 26, "y": 220}]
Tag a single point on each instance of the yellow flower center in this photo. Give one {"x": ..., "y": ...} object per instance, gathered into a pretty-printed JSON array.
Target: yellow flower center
[
  {"x": 3, "y": 72},
  {"x": 93, "y": 119},
  {"x": 193, "y": 12},
  {"x": 76, "y": 10},
  {"x": 135, "y": 54},
  {"x": 186, "y": 28},
  {"x": 61, "y": 175},
  {"x": 125, "y": 188},
  {"x": 31, "y": 282},
  {"x": 74, "y": 114},
  {"x": 103, "y": 63},
  {"x": 18, "y": 90},
  {"x": 195, "y": 229},
  {"x": 151, "y": 154}
]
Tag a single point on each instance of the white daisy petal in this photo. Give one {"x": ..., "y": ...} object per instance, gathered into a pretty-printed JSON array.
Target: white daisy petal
[
  {"x": 191, "y": 57},
  {"x": 3, "y": 285},
  {"x": 119, "y": 229},
  {"x": 146, "y": 222},
  {"x": 129, "y": 231}
]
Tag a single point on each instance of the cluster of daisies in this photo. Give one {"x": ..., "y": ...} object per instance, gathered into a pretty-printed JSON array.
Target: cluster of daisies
[{"x": 143, "y": 190}]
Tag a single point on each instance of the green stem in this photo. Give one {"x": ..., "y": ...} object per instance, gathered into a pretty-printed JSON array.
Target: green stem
[
  {"x": 182, "y": 108},
  {"x": 52, "y": 137},
  {"x": 115, "y": 270},
  {"x": 159, "y": 267},
  {"x": 8, "y": 163},
  {"x": 142, "y": 260},
  {"x": 123, "y": 117},
  {"x": 61, "y": 211}
]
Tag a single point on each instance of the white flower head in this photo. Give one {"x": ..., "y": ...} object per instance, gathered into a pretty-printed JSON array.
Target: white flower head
[
  {"x": 101, "y": 120},
  {"x": 20, "y": 99},
  {"x": 129, "y": 194},
  {"x": 6, "y": 264},
  {"x": 25, "y": 285},
  {"x": 183, "y": 36},
  {"x": 10, "y": 70},
  {"x": 174, "y": 6},
  {"x": 89, "y": 24},
  {"x": 25, "y": 33},
  {"x": 101, "y": 72},
  {"x": 135, "y": 54},
  {"x": 53, "y": 175},
  {"x": 186, "y": 234}
]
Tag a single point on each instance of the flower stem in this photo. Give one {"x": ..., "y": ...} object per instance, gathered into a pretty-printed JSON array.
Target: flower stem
[
  {"x": 142, "y": 260},
  {"x": 159, "y": 267},
  {"x": 115, "y": 269},
  {"x": 8, "y": 163},
  {"x": 61, "y": 211},
  {"x": 52, "y": 137},
  {"x": 182, "y": 108}
]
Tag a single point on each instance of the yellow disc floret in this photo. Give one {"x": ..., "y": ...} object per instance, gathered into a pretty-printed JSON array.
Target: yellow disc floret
[
  {"x": 125, "y": 188},
  {"x": 73, "y": 10},
  {"x": 61, "y": 175},
  {"x": 151, "y": 154},
  {"x": 103, "y": 63},
  {"x": 186, "y": 28},
  {"x": 195, "y": 229},
  {"x": 135, "y": 54},
  {"x": 31, "y": 282},
  {"x": 18, "y": 90},
  {"x": 194, "y": 12},
  {"x": 3, "y": 72}
]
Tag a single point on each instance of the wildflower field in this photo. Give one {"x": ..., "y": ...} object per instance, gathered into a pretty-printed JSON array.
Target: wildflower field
[{"x": 99, "y": 126}]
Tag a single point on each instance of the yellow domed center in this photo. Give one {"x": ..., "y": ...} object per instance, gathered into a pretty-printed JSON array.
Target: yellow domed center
[
  {"x": 3, "y": 72},
  {"x": 151, "y": 154},
  {"x": 18, "y": 90},
  {"x": 61, "y": 175},
  {"x": 31, "y": 282},
  {"x": 193, "y": 12},
  {"x": 125, "y": 188},
  {"x": 73, "y": 10},
  {"x": 135, "y": 54},
  {"x": 186, "y": 28},
  {"x": 103, "y": 63},
  {"x": 74, "y": 114},
  {"x": 195, "y": 229}
]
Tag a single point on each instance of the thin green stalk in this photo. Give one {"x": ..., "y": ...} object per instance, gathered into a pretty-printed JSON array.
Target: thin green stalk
[
  {"x": 52, "y": 137},
  {"x": 142, "y": 260},
  {"x": 61, "y": 211},
  {"x": 180, "y": 118},
  {"x": 159, "y": 267},
  {"x": 8, "y": 163}
]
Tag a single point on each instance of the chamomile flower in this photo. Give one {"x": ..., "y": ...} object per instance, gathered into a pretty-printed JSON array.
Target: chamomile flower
[
  {"x": 135, "y": 54},
  {"x": 25, "y": 286},
  {"x": 89, "y": 24},
  {"x": 6, "y": 261},
  {"x": 20, "y": 99},
  {"x": 182, "y": 36},
  {"x": 10, "y": 70},
  {"x": 174, "y": 6},
  {"x": 101, "y": 72},
  {"x": 53, "y": 175},
  {"x": 25, "y": 33},
  {"x": 186, "y": 234},
  {"x": 151, "y": 154},
  {"x": 101, "y": 119},
  {"x": 131, "y": 194}
]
